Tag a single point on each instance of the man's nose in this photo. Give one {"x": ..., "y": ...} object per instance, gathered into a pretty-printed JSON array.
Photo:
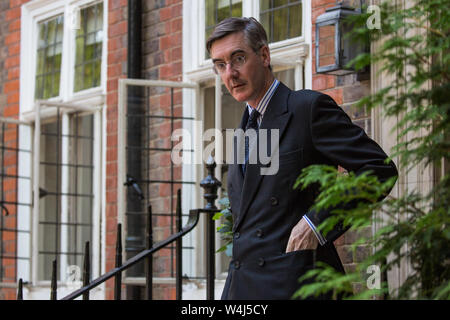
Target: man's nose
[{"x": 231, "y": 71}]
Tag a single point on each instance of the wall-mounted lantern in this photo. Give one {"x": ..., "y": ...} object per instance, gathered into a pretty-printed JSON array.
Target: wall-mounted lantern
[{"x": 333, "y": 49}]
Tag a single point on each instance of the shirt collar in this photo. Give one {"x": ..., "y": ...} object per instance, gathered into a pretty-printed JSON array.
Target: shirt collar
[{"x": 262, "y": 105}]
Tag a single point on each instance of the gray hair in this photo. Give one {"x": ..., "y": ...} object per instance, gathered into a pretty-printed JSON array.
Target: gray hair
[{"x": 254, "y": 33}]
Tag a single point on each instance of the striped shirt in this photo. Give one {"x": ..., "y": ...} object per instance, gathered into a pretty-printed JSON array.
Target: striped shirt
[
  {"x": 262, "y": 105},
  {"x": 261, "y": 108}
]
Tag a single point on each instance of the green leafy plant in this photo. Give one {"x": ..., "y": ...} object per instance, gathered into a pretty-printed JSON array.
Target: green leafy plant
[
  {"x": 225, "y": 229},
  {"x": 414, "y": 51}
]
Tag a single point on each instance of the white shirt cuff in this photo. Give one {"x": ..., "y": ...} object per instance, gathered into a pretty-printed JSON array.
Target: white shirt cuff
[{"x": 319, "y": 237}]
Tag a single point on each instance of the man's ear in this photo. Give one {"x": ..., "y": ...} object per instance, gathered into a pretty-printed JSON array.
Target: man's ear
[{"x": 265, "y": 55}]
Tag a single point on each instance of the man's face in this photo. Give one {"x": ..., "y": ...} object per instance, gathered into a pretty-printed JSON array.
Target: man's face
[{"x": 249, "y": 81}]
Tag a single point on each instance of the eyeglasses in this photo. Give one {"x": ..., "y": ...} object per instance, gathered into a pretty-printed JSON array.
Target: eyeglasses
[{"x": 235, "y": 63}]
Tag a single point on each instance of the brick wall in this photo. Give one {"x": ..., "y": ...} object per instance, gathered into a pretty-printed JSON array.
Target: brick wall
[
  {"x": 116, "y": 69},
  {"x": 162, "y": 53},
  {"x": 9, "y": 107},
  {"x": 345, "y": 90}
]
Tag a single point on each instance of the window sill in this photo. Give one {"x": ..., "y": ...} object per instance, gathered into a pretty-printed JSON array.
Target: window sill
[{"x": 85, "y": 101}]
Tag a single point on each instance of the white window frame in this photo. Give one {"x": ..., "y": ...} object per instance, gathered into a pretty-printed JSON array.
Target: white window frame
[
  {"x": 294, "y": 52},
  {"x": 189, "y": 171},
  {"x": 90, "y": 101},
  {"x": 290, "y": 53},
  {"x": 41, "y": 10}
]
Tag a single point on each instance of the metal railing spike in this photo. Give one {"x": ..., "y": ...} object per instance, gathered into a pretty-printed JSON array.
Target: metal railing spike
[
  {"x": 20, "y": 290},
  {"x": 86, "y": 270},
  {"x": 149, "y": 260},
  {"x": 118, "y": 278},
  {"x": 54, "y": 285}
]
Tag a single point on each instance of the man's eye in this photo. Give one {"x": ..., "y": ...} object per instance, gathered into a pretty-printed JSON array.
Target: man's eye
[
  {"x": 239, "y": 59},
  {"x": 220, "y": 66}
]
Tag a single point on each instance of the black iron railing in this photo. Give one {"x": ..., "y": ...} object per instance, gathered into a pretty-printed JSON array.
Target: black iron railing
[{"x": 210, "y": 185}]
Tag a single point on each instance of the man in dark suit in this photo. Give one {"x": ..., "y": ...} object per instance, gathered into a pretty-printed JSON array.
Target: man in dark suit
[{"x": 275, "y": 237}]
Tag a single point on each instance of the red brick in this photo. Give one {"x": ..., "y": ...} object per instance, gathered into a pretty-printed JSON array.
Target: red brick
[
  {"x": 117, "y": 29},
  {"x": 117, "y": 56},
  {"x": 170, "y": 41},
  {"x": 14, "y": 25},
  {"x": 331, "y": 81},
  {"x": 116, "y": 43},
  {"x": 170, "y": 70},
  {"x": 12, "y": 14},
  {"x": 176, "y": 25},
  {"x": 114, "y": 70},
  {"x": 111, "y": 141},
  {"x": 13, "y": 52},
  {"x": 11, "y": 86},
  {"x": 165, "y": 13},
  {"x": 115, "y": 16},
  {"x": 13, "y": 98},
  {"x": 319, "y": 82},
  {"x": 111, "y": 125},
  {"x": 13, "y": 73},
  {"x": 336, "y": 94},
  {"x": 111, "y": 98},
  {"x": 112, "y": 84},
  {"x": 13, "y": 37},
  {"x": 177, "y": 10},
  {"x": 114, "y": 4},
  {"x": 17, "y": 3},
  {"x": 164, "y": 189},
  {"x": 165, "y": 159},
  {"x": 11, "y": 110},
  {"x": 111, "y": 195}
]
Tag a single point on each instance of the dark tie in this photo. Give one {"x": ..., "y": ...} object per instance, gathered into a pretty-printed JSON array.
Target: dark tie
[{"x": 252, "y": 123}]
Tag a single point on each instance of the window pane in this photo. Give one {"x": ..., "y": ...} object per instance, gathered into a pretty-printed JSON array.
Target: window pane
[
  {"x": 281, "y": 18},
  {"x": 280, "y": 22},
  {"x": 49, "y": 203},
  {"x": 209, "y": 14},
  {"x": 78, "y": 78},
  {"x": 89, "y": 42},
  {"x": 287, "y": 77},
  {"x": 295, "y": 21},
  {"x": 326, "y": 49},
  {"x": 264, "y": 4},
  {"x": 55, "y": 87},
  {"x": 48, "y": 58},
  {"x": 67, "y": 205},
  {"x": 218, "y": 10},
  {"x": 264, "y": 19},
  {"x": 80, "y": 184}
]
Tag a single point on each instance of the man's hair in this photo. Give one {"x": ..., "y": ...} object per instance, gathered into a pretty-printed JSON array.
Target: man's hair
[{"x": 254, "y": 33}]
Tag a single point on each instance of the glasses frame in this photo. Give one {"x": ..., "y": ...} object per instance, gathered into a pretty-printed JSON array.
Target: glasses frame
[{"x": 233, "y": 64}]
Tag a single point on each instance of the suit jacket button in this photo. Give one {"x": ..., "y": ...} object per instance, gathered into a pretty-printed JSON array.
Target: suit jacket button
[
  {"x": 273, "y": 201},
  {"x": 261, "y": 262},
  {"x": 237, "y": 235},
  {"x": 237, "y": 264},
  {"x": 259, "y": 233}
]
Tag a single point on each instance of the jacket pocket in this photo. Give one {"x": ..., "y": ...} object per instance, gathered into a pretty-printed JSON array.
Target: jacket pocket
[{"x": 291, "y": 156}]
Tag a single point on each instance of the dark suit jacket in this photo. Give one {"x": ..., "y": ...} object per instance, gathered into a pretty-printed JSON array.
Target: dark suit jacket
[{"x": 265, "y": 208}]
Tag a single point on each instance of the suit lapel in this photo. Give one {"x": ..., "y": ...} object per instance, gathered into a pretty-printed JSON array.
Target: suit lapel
[
  {"x": 235, "y": 171},
  {"x": 276, "y": 117}
]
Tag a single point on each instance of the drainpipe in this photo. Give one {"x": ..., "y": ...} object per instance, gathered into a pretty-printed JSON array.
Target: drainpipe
[{"x": 134, "y": 241}]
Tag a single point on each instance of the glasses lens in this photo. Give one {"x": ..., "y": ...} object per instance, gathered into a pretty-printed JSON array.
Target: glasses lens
[
  {"x": 220, "y": 67},
  {"x": 238, "y": 61}
]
